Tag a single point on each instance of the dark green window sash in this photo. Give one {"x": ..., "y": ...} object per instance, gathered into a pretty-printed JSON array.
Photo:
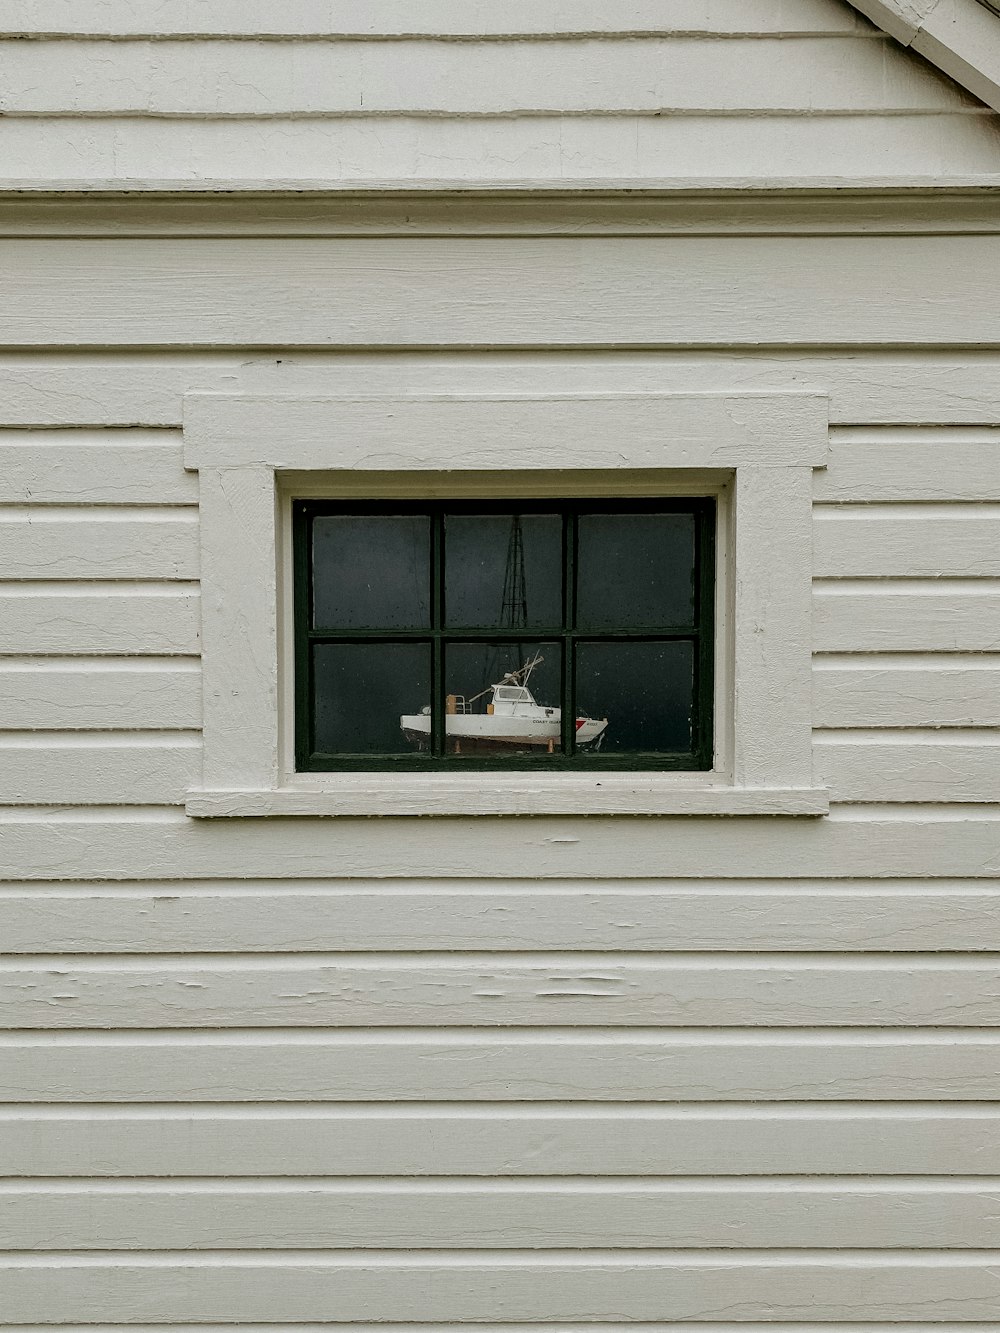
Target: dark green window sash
[{"x": 701, "y": 634}]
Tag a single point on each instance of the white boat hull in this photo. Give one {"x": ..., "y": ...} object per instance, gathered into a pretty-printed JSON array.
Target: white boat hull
[{"x": 482, "y": 731}]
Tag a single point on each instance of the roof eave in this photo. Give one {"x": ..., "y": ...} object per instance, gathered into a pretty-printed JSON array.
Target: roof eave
[{"x": 960, "y": 37}]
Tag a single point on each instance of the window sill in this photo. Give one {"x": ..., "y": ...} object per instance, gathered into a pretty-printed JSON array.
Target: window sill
[{"x": 351, "y": 794}]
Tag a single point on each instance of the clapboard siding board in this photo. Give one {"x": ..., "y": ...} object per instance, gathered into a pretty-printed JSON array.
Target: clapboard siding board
[
  {"x": 822, "y": 290},
  {"x": 378, "y": 1065},
  {"x": 907, "y": 616},
  {"x": 160, "y": 843},
  {"x": 462, "y": 1214},
  {"x": 88, "y": 467},
  {"x": 907, "y": 540},
  {"x": 518, "y": 151},
  {"x": 388, "y": 1286},
  {"x": 910, "y": 765},
  {"x": 125, "y": 388},
  {"x": 447, "y": 18},
  {"x": 84, "y": 768},
  {"x": 473, "y": 1139},
  {"x": 70, "y": 543},
  {"x": 114, "y": 617},
  {"x": 153, "y": 768},
  {"x": 482, "y": 1326},
  {"x": 606, "y": 989},
  {"x": 241, "y": 917},
  {"x": 70, "y": 693},
  {"x": 895, "y": 691},
  {"x": 97, "y": 78},
  {"x": 921, "y": 464}
]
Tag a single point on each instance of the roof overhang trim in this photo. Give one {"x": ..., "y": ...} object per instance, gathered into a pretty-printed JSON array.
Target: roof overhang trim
[{"x": 960, "y": 37}]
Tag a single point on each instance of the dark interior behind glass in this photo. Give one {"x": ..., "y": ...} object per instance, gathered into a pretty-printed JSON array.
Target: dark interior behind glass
[{"x": 475, "y": 634}]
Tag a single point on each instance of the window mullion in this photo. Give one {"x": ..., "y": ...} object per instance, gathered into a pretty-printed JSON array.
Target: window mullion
[
  {"x": 567, "y": 705},
  {"x": 304, "y": 693},
  {"x": 438, "y": 723},
  {"x": 703, "y": 694}
]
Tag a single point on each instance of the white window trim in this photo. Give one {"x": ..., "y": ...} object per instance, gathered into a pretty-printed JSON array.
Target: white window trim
[{"x": 756, "y": 451}]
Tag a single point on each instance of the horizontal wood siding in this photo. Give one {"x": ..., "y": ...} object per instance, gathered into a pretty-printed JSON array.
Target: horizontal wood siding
[
  {"x": 107, "y": 693},
  {"x": 457, "y": 1213},
  {"x": 895, "y": 390},
  {"x": 905, "y": 541},
  {"x": 301, "y": 916},
  {"x": 605, "y": 990},
  {"x": 67, "y": 543},
  {"x": 418, "y": 1066},
  {"x": 512, "y": 1074},
  {"x": 514, "y": 151},
  {"x": 115, "y": 617},
  {"x": 129, "y": 842},
  {"x": 420, "y": 77},
  {"x": 667, "y": 290},
  {"x": 321, "y": 19},
  {"x": 907, "y": 690},
  {"x": 215, "y": 1142},
  {"x": 473, "y": 1285},
  {"x": 777, "y": 1067},
  {"x": 331, "y": 94},
  {"x": 157, "y": 768},
  {"x": 88, "y": 467}
]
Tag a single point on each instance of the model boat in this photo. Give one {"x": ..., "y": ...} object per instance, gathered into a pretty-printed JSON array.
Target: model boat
[{"x": 512, "y": 720}]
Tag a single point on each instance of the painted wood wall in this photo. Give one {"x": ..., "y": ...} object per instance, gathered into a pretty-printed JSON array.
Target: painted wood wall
[
  {"x": 340, "y": 91},
  {"x": 682, "y": 1072}
]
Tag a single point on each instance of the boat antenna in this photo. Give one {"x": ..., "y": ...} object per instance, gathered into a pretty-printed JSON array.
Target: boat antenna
[{"x": 528, "y": 668}]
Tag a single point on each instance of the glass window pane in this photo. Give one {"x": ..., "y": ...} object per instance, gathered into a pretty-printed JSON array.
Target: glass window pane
[
  {"x": 503, "y": 699},
  {"x": 371, "y": 571},
  {"x": 369, "y": 697},
  {"x": 503, "y": 571},
  {"x": 635, "y": 571},
  {"x": 645, "y": 690}
]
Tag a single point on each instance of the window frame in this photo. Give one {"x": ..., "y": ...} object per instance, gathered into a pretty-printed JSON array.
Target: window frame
[
  {"x": 701, "y": 633},
  {"x": 755, "y": 451}
]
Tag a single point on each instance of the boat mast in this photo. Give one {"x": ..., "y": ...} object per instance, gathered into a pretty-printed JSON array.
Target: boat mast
[
  {"x": 514, "y": 603},
  {"x": 513, "y": 599}
]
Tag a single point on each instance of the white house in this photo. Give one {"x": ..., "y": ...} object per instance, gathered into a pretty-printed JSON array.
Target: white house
[{"x": 500, "y": 678}]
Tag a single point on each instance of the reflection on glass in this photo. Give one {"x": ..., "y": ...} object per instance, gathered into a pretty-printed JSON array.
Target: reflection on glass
[
  {"x": 371, "y": 571},
  {"x": 503, "y": 571},
  {"x": 645, "y": 690},
  {"x": 635, "y": 571},
  {"x": 363, "y": 693},
  {"x": 503, "y": 699}
]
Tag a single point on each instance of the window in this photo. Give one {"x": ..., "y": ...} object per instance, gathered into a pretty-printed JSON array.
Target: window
[
  {"x": 749, "y": 454},
  {"x": 547, "y": 634}
]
